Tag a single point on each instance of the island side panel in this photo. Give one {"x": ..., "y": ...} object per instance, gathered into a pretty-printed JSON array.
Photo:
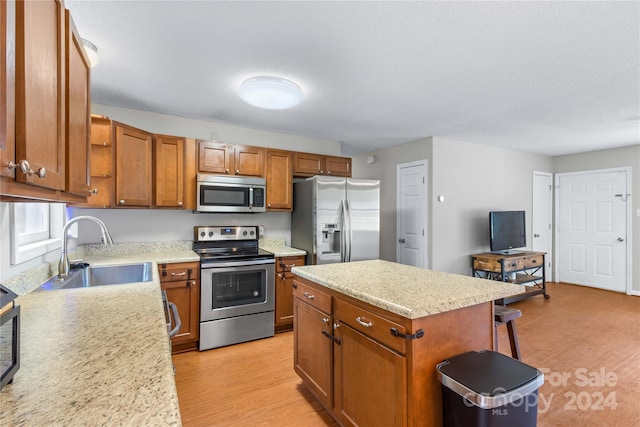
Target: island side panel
[{"x": 445, "y": 335}]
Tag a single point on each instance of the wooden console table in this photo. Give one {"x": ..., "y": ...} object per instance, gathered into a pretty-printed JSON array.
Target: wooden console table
[{"x": 522, "y": 268}]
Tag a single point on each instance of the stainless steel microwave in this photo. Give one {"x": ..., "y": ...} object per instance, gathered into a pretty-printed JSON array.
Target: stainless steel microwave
[{"x": 230, "y": 194}]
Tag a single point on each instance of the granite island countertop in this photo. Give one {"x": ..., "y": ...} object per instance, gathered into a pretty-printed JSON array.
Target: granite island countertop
[
  {"x": 408, "y": 291},
  {"x": 96, "y": 356}
]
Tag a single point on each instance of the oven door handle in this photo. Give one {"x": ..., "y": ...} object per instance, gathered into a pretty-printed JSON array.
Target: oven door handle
[
  {"x": 176, "y": 318},
  {"x": 246, "y": 262}
]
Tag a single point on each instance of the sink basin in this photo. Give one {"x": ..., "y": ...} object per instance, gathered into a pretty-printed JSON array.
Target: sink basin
[{"x": 101, "y": 275}]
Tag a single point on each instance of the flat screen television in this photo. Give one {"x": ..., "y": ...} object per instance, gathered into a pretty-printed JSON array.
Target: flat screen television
[{"x": 508, "y": 231}]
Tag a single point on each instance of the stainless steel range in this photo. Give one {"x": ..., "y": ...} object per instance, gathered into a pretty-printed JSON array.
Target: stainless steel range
[{"x": 237, "y": 289}]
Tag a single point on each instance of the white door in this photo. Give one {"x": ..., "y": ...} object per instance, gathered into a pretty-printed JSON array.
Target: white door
[
  {"x": 542, "y": 217},
  {"x": 411, "y": 228},
  {"x": 592, "y": 229}
]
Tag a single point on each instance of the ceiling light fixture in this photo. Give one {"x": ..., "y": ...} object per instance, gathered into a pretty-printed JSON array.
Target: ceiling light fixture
[
  {"x": 272, "y": 93},
  {"x": 92, "y": 52}
]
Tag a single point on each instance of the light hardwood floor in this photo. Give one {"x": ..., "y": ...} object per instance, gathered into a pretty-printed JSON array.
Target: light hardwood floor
[{"x": 587, "y": 340}]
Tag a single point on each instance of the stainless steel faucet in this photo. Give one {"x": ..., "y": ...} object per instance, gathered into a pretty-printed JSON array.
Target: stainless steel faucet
[{"x": 63, "y": 266}]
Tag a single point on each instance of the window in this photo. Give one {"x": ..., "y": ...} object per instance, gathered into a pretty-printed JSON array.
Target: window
[{"x": 36, "y": 229}]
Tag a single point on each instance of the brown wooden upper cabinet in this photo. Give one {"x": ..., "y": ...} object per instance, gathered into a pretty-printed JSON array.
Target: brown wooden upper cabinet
[
  {"x": 133, "y": 175},
  {"x": 102, "y": 163},
  {"x": 229, "y": 159},
  {"x": 337, "y": 166},
  {"x": 78, "y": 126},
  {"x": 45, "y": 92},
  {"x": 134, "y": 168},
  {"x": 279, "y": 176},
  {"x": 309, "y": 164},
  {"x": 168, "y": 156}
]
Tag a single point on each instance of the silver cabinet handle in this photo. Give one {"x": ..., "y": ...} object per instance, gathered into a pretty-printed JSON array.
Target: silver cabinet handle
[
  {"x": 620, "y": 239},
  {"x": 289, "y": 265},
  {"x": 179, "y": 203},
  {"x": 12, "y": 165},
  {"x": 364, "y": 322},
  {"x": 401, "y": 240},
  {"x": 309, "y": 296},
  {"x": 226, "y": 170},
  {"x": 179, "y": 274},
  {"x": 24, "y": 166},
  {"x": 176, "y": 318},
  {"x": 237, "y": 171},
  {"x": 121, "y": 202},
  {"x": 325, "y": 320},
  {"x": 94, "y": 191},
  {"x": 42, "y": 173},
  {"x": 536, "y": 235}
]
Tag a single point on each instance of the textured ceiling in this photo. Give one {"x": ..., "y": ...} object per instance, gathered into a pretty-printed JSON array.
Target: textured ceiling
[{"x": 543, "y": 77}]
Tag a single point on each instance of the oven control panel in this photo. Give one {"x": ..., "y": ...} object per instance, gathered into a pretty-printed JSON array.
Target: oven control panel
[{"x": 216, "y": 233}]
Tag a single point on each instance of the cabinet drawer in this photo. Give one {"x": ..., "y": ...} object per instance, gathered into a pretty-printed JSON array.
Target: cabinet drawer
[
  {"x": 370, "y": 324},
  {"x": 178, "y": 271},
  {"x": 514, "y": 264},
  {"x": 285, "y": 264},
  {"x": 533, "y": 261},
  {"x": 315, "y": 297},
  {"x": 487, "y": 264}
]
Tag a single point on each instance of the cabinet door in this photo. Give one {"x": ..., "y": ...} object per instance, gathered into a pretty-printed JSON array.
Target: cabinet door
[
  {"x": 133, "y": 167},
  {"x": 284, "y": 301},
  {"x": 40, "y": 92},
  {"x": 7, "y": 86},
  {"x": 185, "y": 295},
  {"x": 307, "y": 164},
  {"x": 337, "y": 166},
  {"x": 370, "y": 383},
  {"x": 313, "y": 350},
  {"x": 77, "y": 113},
  {"x": 279, "y": 176},
  {"x": 168, "y": 154},
  {"x": 284, "y": 291},
  {"x": 215, "y": 157},
  {"x": 248, "y": 160}
]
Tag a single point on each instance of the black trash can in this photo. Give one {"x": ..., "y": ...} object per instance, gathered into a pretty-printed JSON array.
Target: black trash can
[{"x": 488, "y": 389}]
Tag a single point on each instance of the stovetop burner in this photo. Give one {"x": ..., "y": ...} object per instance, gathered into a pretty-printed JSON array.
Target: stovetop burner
[{"x": 228, "y": 243}]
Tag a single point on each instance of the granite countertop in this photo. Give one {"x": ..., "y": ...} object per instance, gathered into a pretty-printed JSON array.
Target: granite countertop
[
  {"x": 278, "y": 247},
  {"x": 96, "y": 356},
  {"x": 408, "y": 291}
]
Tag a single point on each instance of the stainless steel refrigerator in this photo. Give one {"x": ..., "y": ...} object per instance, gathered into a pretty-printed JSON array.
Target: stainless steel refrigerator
[{"x": 336, "y": 219}]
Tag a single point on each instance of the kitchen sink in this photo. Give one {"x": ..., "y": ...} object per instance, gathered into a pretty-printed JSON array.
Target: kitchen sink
[{"x": 101, "y": 275}]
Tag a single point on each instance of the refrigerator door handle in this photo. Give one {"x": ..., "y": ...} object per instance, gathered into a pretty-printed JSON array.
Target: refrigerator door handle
[
  {"x": 343, "y": 231},
  {"x": 347, "y": 231}
]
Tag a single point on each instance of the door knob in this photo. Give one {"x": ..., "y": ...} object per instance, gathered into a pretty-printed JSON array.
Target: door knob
[
  {"x": 401, "y": 240},
  {"x": 620, "y": 239}
]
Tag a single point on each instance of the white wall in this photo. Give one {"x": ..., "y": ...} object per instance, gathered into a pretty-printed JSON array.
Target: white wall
[
  {"x": 605, "y": 159},
  {"x": 476, "y": 179},
  {"x": 384, "y": 169},
  {"x": 230, "y": 134}
]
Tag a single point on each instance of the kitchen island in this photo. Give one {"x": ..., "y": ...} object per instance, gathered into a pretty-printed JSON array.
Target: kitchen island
[
  {"x": 369, "y": 334},
  {"x": 96, "y": 356}
]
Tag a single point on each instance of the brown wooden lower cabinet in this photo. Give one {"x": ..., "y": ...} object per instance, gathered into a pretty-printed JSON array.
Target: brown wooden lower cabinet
[
  {"x": 366, "y": 375},
  {"x": 181, "y": 282},
  {"x": 284, "y": 291}
]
